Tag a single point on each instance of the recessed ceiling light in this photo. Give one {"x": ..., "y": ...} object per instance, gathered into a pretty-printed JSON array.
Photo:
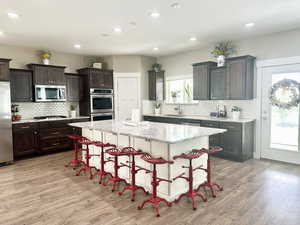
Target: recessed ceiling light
[
  {"x": 175, "y": 5},
  {"x": 13, "y": 15},
  {"x": 154, "y": 14},
  {"x": 78, "y": 46},
  {"x": 193, "y": 39},
  {"x": 155, "y": 49},
  {"x": 249, "y": 24},
  {"x": 117, "y": 30}
]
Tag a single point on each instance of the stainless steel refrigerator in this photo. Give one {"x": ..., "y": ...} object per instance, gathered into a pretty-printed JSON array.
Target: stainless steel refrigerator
[{"x": 6, "y": 148}]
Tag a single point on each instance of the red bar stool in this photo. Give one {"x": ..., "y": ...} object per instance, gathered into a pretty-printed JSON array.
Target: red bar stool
[
  {"x": 75, "y": 162},
  {"x": 154, "y": 199},
  {"x": 115, "y": 152},
  {"x": 87, "y": 167},
  {"x": 191, "y": 193},
  {"x": 134, "y": 169},
  {"x": 208, "y": 182},
  {"x": 101, "y": 172}
]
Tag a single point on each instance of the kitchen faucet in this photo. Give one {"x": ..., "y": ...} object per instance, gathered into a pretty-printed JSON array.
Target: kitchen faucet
[{"x": 179, "y": 109}]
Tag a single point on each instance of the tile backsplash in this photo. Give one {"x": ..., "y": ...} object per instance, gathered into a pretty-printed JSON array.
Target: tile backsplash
[
  {"x": 29, "y": 110},
  {"x": 203, "y": 108}
]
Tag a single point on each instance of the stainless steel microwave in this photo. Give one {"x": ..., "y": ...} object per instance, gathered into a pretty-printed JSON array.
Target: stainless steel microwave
[{"x": 47, "y": 93}]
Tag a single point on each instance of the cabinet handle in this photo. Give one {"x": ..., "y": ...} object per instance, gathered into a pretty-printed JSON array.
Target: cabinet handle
[
  {"x": 35, "y": 132},
  {"x": 25, "y": 127},
  {"x": 54, "y": 144},
  {"x": 55, "y": 133}
]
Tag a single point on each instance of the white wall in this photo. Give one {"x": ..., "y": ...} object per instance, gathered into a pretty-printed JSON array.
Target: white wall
[
  {"x": 22, "y": 56},
  {"x": 266, "y": 47}
]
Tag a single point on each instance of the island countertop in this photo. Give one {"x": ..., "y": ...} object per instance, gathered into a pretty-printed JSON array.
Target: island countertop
[{"x": 162, "y": 132}]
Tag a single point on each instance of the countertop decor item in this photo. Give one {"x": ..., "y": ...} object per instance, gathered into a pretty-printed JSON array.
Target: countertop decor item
[
  {"x": 174, "y": 95},
  {"x": 157, "y": 106},
  {"x": 222, "y": 50},
  {"x": 188, "y": 92},
  {"x": 285, "y": 94},
  {"x": 236, "y": 112},
  {"x": 15, "y": 113},
  {"x": 72, "y": 111},
  {"x": 46, "y": 56},
  {"x": 156, "y": 67}
]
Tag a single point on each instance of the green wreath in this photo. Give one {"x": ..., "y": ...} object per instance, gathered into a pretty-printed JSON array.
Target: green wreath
[{"x": 290, "y": 94}]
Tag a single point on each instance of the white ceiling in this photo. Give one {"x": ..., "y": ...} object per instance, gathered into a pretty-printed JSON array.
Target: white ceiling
[{"x": 59, "y": 24}]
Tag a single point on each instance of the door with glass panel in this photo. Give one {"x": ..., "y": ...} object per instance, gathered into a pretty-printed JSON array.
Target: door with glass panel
[{"x": 280, "y": 127}]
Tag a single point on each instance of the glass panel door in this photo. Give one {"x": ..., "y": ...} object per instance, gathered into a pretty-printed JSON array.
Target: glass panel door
[{"x": 279, "y": 127}]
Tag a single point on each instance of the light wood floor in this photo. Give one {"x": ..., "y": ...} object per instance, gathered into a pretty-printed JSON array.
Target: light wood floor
[{"x": 41, "y": 191}]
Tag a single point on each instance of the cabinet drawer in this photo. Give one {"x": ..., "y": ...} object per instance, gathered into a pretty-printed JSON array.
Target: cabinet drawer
[
  {"x": 23, "y": 126},
  {"x": 55, "y": 133},
  {"x": 55, "y": 124},
  {"x": 231, "y": 126},
  {"x": 206, "y": 123}
]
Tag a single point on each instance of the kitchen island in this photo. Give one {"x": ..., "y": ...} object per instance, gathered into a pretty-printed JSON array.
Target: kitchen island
[{"x": 158, "y": 139}]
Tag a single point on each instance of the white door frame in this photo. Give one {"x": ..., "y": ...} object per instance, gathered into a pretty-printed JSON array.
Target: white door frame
[
  {"x": 128, "y": 75},
  {"x": 261, "y": 65}
]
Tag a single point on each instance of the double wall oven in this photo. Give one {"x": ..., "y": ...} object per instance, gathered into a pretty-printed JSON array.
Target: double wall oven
[{"x": 102, "y": 104}]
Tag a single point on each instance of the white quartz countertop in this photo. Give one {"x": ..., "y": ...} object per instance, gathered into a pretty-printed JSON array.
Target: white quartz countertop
[
  {"x": 163, "y": 132},
  {"x": 197, "y": 117},
  {"x": 45, "y": 120}
]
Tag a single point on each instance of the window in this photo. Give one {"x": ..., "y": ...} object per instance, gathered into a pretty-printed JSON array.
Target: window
[{"x": 180, "y": 90}]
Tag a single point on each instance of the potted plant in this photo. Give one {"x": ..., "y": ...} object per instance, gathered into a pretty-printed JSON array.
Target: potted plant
[
  {"x": 174, "y": 95},
  {"x": 72, "y": 111},
  {"x": 188, "y": 91},
  {"x": 156, "y": 67},
  {"x": 157, "y": 106},
  {"x": 222, "y": 50},
  {"x": 236, "y": 112},
  {"x": 46, "y": 56}
]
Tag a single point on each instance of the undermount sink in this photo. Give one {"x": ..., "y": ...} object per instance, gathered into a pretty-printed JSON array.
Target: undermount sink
[{"x": 175, "y": 115}]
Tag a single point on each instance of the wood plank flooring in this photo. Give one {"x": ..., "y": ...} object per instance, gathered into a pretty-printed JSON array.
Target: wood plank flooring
[{"x": 41, "y": 191}]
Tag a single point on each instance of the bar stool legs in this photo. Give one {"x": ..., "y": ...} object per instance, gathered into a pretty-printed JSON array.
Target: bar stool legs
[
  {"x": 190, "y": 179},
  {"x": 154, "y": 200},
  {"x": 75, "y": 162},
  {"x": 87, "y": 166},
  {"x": 133, "y": 187},
  {"x": 208, "y": 183}
]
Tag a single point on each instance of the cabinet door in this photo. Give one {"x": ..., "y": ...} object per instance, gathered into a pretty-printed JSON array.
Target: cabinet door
[
  {"x": 236, "y": 79},
  {"x": 218, "y": 89},
  {"x": 214, "y": 140},
  {"x": 160, "y": 86},
  {"x": 21, "y": 85},
  {"x": 25, "y": 140},
  {"x": 201, "y": 82},
  {"x": 232, "y": 145},
  {"x": 73, "y": 88},
  {"x": 152, "y": 85},
  {"x": 108, "y": 80},
  {"x": 56, "y": 76},
  {"x": 96, "y": 79},
  {"x": 40, "y": 75},
  {"x": 4, "y": 71}
]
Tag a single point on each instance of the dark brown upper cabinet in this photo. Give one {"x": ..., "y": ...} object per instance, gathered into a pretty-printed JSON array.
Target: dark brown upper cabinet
[
  {"x": 156, "y": 85},
  {"x": 218, "y": 85},
  {"x": 48, "y": 74},
  {"x": 74, "y": 87},
  {"x": 21, "y": 85},
  {"x": 234, "y": 81},
  {"x": 240, "y": 77},
  {"x": 4, "y": 69},
  {"x": 201, "y": 80},
  {"x": 97, "y": 78}
]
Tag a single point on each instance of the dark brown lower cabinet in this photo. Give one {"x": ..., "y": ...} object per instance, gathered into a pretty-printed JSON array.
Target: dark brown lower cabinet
[
  {"x": 43, "y": 137},
  {"x": 237, "y": 142},
  {"x": 25, "y": 139}
]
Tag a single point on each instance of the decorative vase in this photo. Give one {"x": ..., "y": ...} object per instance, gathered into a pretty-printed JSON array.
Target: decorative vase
[
  {"x": 157, "y": 111},
  {"x": 174, "y": 99},
  {"x": 73, "y": 113},
  {"x": 156, "y": 69},
  {"x": 221, "y": 60},
  {"x": 236, "y": 115},
  {"x": 46, "y": 61}
]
